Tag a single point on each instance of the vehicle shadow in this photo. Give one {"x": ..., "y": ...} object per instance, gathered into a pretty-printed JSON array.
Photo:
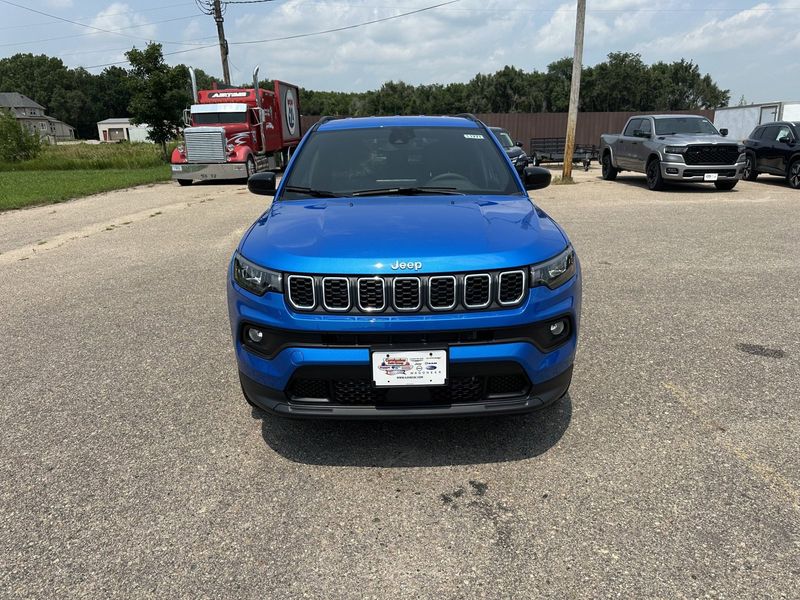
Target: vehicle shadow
[
  {"x": 425, "y": 443},
  {"x": 641, "y": 182}
]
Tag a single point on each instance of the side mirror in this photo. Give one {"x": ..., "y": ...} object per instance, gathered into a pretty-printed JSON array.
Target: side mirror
[
  {"x": 723, "y": 132},
  {"x": 262, "y": 184},
  {"x": 518, "y": 143},
  {"x": 536, "y": 178}
]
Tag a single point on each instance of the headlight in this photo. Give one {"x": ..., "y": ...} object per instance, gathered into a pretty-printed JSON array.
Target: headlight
[
  {"x": 521, "y": 158},
  {"x": 230, "y": 147},
  {"x": 675, "y": 149},
  {"x": 555, "y": 271},
  {"x": 254, "y": 278}
]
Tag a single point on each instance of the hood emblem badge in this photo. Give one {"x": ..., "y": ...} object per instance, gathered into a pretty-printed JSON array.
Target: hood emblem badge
[{"x": 415, "y": 265}]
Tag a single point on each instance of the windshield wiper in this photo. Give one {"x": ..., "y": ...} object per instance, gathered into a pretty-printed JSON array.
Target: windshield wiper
[
  {"x": 312, "y": 192},
  {"x": 409, "y": 191}
]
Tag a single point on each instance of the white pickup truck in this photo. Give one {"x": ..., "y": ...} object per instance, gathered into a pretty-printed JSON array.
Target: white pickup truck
[{"x": 673, "y": 148}]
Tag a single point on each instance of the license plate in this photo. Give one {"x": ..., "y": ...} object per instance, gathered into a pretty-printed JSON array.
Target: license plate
[
  {"x": 177, "y": 167},
  {"x": 710, "y": 176},
  {"x": 407, "y": 368}
]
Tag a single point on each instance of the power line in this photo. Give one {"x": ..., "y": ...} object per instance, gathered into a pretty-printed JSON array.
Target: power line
[
  {"x": 77, "y": 35},
  {"x": 292, "y": 37},
  {"x": 39, "y": 12},
  {"x": 125, "y": 12},
  {"x": 345, "y": 27}
]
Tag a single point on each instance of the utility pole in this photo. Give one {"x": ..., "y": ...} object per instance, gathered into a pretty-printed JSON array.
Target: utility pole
[
  {"x": 223, "y": 43},
  {"x": 574, "y": 91}
]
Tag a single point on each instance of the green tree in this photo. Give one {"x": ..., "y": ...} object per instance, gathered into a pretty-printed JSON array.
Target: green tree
[
  {"x": 16, "y": 142},
  {"x": 159, "y": 94}
]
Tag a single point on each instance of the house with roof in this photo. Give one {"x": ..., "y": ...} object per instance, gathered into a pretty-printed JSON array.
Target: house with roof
[
  {"x": 118, "y": 129},
  {"x": 32, "y": 116}
]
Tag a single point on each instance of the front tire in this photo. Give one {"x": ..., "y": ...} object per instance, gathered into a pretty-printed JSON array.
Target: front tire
[
  {"x": 793, "y": 177},
  {"x": 250, "y": 167},
  {"x": 750, "y": 173},
  {"x": 609, "y": 173},
  {"x": 655, "y": 182},
  {"x": 725, "y": 185}
]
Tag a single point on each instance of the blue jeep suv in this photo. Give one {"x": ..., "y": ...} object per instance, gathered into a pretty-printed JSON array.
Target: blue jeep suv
[{"x": 402, "y": 271}]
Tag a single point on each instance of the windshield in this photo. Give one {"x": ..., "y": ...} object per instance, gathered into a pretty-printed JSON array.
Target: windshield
[
  {"x": 395, "y": 159},
  {"x": 213, "y": 118},
  {"x": 503, "y": 137},
  {"x": 685, "y": 125}
]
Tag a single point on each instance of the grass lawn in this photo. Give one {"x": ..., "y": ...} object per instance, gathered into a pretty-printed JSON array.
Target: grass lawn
[{"x": 25, "y": 188}]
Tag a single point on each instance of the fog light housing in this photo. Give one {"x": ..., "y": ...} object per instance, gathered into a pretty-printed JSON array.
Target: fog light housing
[
  {"x": 255, "y": 335},
  {"x": 557, "y": 328},
  {"x": 672, "y": 170}
]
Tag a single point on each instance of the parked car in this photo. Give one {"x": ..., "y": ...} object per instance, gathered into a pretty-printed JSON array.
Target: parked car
[
  {"x": 774, "y": 148},
  {"x": 402, "y": 271},
  {"x": 514, "y": 150},
  {"x": 673, "y": 148}
]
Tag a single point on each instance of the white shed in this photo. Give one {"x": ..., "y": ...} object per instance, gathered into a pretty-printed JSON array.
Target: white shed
[
  {"x": 115, "y": 130},
  {"x": 741, "y": 120}
]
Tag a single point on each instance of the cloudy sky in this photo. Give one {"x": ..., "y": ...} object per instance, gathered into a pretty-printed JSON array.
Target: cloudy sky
[{"x": 749, "y": 47}]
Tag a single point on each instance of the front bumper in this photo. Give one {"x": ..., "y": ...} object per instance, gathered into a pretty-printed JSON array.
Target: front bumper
[
  {"x": 680, "y": 171},
  {"x": 267, "y": 380},
  {"x": 209, "y": 171},
  {"x": 275, "y": 402}
]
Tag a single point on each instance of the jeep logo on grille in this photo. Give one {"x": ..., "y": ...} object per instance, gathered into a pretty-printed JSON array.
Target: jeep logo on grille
[{"x": 416, "y": 265}]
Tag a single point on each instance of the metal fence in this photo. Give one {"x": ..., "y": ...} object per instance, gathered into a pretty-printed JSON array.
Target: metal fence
[{"x": 524, "y": 126}]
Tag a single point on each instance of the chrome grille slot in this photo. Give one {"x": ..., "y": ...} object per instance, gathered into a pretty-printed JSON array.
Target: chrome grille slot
[
  {"x": 301, "y": 292},
  {"x": 510, "y": 287},
  {"x": 336, "y": 293},
  {"x": 477, "y": 290},
  {"x": 442, "y": 292},
  {"x": 205, "y": 144},
  {"x": 407, "y": 293},
  {"x": 371, "y": 294}
]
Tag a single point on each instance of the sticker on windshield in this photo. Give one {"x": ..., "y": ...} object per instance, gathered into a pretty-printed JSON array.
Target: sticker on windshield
[{"x": 473, "y": 136}]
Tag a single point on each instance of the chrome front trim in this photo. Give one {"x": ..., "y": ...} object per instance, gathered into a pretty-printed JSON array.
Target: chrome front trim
[
  {"x": 488, "y": 295},
  {"x": 455, "y": 292},
  {"x": 325, "y": 300},
  {"x": 419, "y": 294},
  {"x": 313, "y": 292},
  {"x": 358, "y": 294},
  {"x": 519, "y": 298}
]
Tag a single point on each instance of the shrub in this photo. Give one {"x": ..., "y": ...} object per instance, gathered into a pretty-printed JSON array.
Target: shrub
[{"x": 16, "y": 142}]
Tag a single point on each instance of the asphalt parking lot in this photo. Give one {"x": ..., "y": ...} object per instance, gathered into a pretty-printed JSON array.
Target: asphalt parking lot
[{"x": 132, "y": 467}]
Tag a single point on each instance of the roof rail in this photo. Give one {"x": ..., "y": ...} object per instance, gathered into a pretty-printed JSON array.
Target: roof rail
[
  {"x": 469, "y": 116},
  {"x": 322, "y": 120}
]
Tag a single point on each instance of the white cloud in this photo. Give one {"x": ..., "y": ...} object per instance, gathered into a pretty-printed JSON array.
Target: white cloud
[{"x": 120, "y": 16}]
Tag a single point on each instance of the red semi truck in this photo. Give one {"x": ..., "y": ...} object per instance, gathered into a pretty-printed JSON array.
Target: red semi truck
[{"x": 233, "y": 133}]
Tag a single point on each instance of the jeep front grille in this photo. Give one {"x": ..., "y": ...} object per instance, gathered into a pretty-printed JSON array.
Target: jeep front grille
[
  {"x": 302, "y": 294},
  {"x": 407, "y": 294},
  {"x": 336, "y": 293},
  {"x": 371, "y": 294}
]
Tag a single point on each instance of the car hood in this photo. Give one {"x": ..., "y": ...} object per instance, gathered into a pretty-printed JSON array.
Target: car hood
[
  {"x": 514, "y": 151},
  {"x": 368, "y": 235},
  {"x": 696, "y": 139}
]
